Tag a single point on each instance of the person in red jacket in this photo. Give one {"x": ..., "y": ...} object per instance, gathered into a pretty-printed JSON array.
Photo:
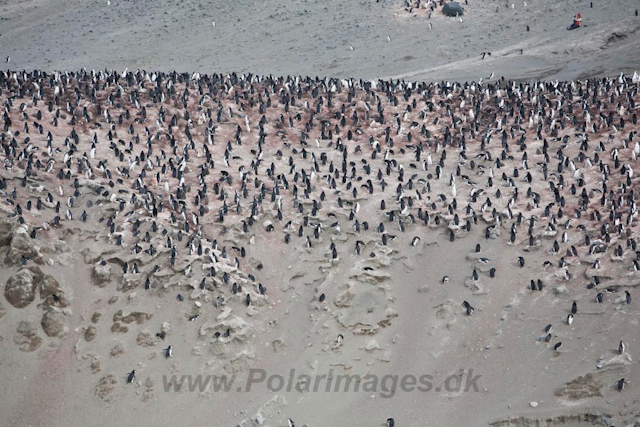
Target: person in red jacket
[{"x": 577, "y": 22}]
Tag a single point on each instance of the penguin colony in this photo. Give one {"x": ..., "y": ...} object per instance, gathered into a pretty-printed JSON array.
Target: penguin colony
[{"x": 544, "y": 166}]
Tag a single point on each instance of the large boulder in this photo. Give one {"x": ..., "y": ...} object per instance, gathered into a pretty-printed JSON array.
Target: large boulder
[
  {"x": 52, "y": 293},
  {"x": 53, "y": 323},
  {"x": 22, "y": 246},
  {"x": 453, "y": 9},
  {"x": 20, "y": 290},
  {"x": 101, "y": 274}
]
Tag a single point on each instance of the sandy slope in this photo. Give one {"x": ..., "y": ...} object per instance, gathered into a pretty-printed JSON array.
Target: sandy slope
[
  {"x": 396, "y": 314},
  {"x": 313, "y": 38}
]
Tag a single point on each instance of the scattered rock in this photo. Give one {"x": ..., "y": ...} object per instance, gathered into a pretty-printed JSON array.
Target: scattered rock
[
  {"x": 117, "y": 351},
  {"x": 96, "y": 365},
  {"x": 279, "y": 345},
  {"x": 105, "y": 390},
  {"x": 27, "y": 337},
  {"x": 165, "y": 328},
  {"x": 534, "y": 404},
  {"x": 344, "y": 298},
  {"x": 135, "y": 316},
  {"x": 146, "y": 339},
  {"x": 372, "y": 346},
  {"x": 90, "y": 333},
  {"x": 582, "y": 387},
  {"x": 96, "y": 317},
  {"x": 61, "y": 246},
  {"x": 119, "y": 328},
  {"x": 240, "y": 362},
  {"x": 148, "y": 395},
  {"x": 240, "y": 330}
]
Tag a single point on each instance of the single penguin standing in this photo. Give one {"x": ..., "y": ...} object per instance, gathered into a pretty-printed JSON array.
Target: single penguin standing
[
  {"x": 468, "y": 308},
  {"x": 621, "y": 384}
]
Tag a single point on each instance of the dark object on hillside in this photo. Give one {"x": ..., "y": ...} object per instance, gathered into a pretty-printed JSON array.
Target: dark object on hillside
[{"x": 453, "y": 9}]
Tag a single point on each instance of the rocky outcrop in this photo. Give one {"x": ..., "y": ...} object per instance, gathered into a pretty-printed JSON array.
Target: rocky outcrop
[
  {"x": 6, "y": 228},
  {"x": 21, "y": 288}
]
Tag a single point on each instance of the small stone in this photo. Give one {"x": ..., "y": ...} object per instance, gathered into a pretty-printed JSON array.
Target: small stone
[
  {"x": 279, "y": 346},
  {"x": 372, "y": 345},
  {"x": 533, "y": 404}
]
